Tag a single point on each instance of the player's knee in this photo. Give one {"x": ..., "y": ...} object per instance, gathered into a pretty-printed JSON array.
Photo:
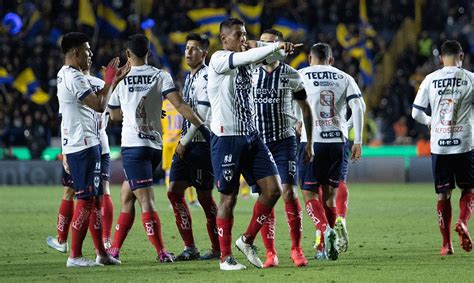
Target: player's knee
[{"x": 68, "y": 193}]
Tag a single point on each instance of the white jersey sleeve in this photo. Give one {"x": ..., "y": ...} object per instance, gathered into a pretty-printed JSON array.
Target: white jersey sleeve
[
  {"x": 296, "y": 83},
  {"x": 98, "y": 84}
]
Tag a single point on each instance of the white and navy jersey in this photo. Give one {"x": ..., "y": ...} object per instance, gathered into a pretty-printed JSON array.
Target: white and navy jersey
[
  {"x": 140, "y": 97},
  {"x": 195, "y": 93},
  {"x": 230, "y": 95},
  {"x": 450, "y": 93},
  {"x": 329, "y": 91},
  {"x": 96, "y": 85},
  {"x": 79, "y": 123},
  {"x": 273, "y": 98}
]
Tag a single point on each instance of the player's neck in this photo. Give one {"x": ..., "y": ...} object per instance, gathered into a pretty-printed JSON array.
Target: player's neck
[
  {"x": 195, "y": 69},
  {"x": 71, "y": 62},
  {"x": 271, "y": 67}
]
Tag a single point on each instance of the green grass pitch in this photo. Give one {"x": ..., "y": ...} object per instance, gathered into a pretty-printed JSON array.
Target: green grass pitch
[{"x": 392, "y": 227}]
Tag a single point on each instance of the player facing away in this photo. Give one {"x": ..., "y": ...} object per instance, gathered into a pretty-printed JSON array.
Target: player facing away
[
  {"x": 329, "y": 91},
  {"x": 449, "y": 92},
  {"x": 137, "y": 101},
  {"x": 342, "y": 192},
  {"x": 66, "y": 210},
  {"x": 78, "y": 104},
  {"x": 236, "y": 146},
  {"x": 274, "y": 87},
  {"x": 191, "y": 164}
]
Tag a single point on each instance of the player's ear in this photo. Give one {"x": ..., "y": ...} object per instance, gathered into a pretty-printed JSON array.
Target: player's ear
[
  {"x": 461, "y": 56},
  {"x": 441, "y": 60},
  {"x": 331, "y": 60},
  {"x": 222, "y": 36},
  {"x": 309, "y": 58},
  {"x": 127, "y": 53}
]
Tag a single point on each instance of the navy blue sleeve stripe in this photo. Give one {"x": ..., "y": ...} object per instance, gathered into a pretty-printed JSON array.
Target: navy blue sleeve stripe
[
  {"x": 85, "y": 94},
  {"x": 164, "y": 93},
  {"x": 113, "y": 106},
  {"x": 300, "y": 95},
  {"x": 352, "y": 96},
  {"x": 419, "y": 107},
  {"x": 231, "y": 61},
  {"x": 206, "y": 103}
]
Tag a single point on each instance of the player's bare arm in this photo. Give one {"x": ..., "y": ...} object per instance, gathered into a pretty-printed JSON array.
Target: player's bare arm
[
  {"x": 113, "y": 74},
  {"x": 308, "y": 125},
  {"x": 358, "y": 121},
  {"x": 184, "y": 109}
]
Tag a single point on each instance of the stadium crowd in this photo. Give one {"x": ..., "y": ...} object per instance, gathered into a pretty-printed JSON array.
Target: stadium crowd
[{"x": 25, "y": 123}]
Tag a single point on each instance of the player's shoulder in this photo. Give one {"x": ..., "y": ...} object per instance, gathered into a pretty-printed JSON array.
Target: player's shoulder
[
  {"x": 287, "y": 69},
  {"x": 219, "y": 54},
  {"x": 304, "y": 70},
  {"x": 71, "y": 72},
  {"x": 95, "y": 80}
]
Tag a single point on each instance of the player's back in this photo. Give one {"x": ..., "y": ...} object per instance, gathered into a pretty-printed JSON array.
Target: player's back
[
  {"x": 140, "y": 96},
  {"x": 328, "y": 89},
  {"x": 450, "y": 92},
  {"x": 79, "y": 123}
]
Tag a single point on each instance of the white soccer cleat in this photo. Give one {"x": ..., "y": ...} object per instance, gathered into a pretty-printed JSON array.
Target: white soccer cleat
[
  {"x": 53, "y": 243},
  {"x": 107, "y": 260},
  {"x": 250, "y": 251},
  {"x": 81, "y": 262},
  {"x": 342, "y": 239},
  {"x": 231, "y": 264},
  {"x": 330, "y": 243}
]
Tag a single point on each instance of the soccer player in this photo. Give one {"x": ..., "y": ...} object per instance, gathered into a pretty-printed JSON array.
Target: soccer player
[
  {"x": 80, "y": 139},
  {"x": 342, "y": 192},
  {"x": 274, "y": 87},
  {"x": 192, "y": 162},
  {"x": 449, "y": 92},
  {"x": 329, "y": 91},
  {"x": 66, "y": 210},
  {"x": 171, "y": 127},
  {"x": 137, "y": 100},
  {"x": 236, "y": 146}
]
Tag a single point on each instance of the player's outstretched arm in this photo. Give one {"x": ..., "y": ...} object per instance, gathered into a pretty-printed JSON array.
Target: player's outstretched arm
[
  {"x": 113, "y": 74},
  {"x": 187, "y": 112},
  {"x": 256, "y": 55}
]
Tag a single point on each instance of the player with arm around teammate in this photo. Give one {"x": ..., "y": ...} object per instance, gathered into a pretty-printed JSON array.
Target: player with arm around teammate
[
  {"x": 275, "y": 86},
  {"x": 449, "y": 92},
  {"x": 236, "y": 146},
  {"x": 137, "y": 101},
  {"x": 78, "y": 104},
  {"x": 329, "y": 92}
]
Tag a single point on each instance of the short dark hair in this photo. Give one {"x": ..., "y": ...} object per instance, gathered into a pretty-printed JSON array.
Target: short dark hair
[
  {"x": 322, "y": 51},
  {"x": 229, "y": 22},
  {"x": 274, "y": 32},
  {"x": 73, "y": 40},
  {"x": 451, "y": 47},
  {"x": 202, "y": 39},
  {"x": 138, "y": 44}
]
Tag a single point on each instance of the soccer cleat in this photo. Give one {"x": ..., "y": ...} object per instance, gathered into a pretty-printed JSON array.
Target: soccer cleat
[
  {"x": 211, "y": 254},
  {"x": 189, "y": 253},
  {"x": 250, "y": 252},
  {"x": 107, "y": 260},
  {"x": 81, "y": 262},
  {"x": 342, "y": 239},
  {"x": 231, "y": 264},
  {"x": 464, "y": 237},
  {"x": 321, "y": 255},
  {"x": 330, "y": 243},
  {"x": 446, "y": 250},
  {"x": 165, "y": 256},
  {"x": 55, "y": 244},
  {"x": 271, "y": 261},
  {"x": 298, "y": 257}
]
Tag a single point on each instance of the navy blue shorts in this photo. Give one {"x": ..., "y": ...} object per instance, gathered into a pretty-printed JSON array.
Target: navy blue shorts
[
  {"x": 85, "y": 171},
  {"x": 451, "y": 169},
  {"x": 139, "y": 163},
  {"x": 195, "y": 167},
  {"x": 326, "y": 168},
  {"x": 104, "y": 172},
  {"x": 345, "y": 160},
  {"x": 284, "y": 154},
  {"x": 235, "y": 155}
]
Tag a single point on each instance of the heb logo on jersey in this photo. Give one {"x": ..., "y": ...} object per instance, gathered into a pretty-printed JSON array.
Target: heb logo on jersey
[{"x": 449, "y": 142}]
